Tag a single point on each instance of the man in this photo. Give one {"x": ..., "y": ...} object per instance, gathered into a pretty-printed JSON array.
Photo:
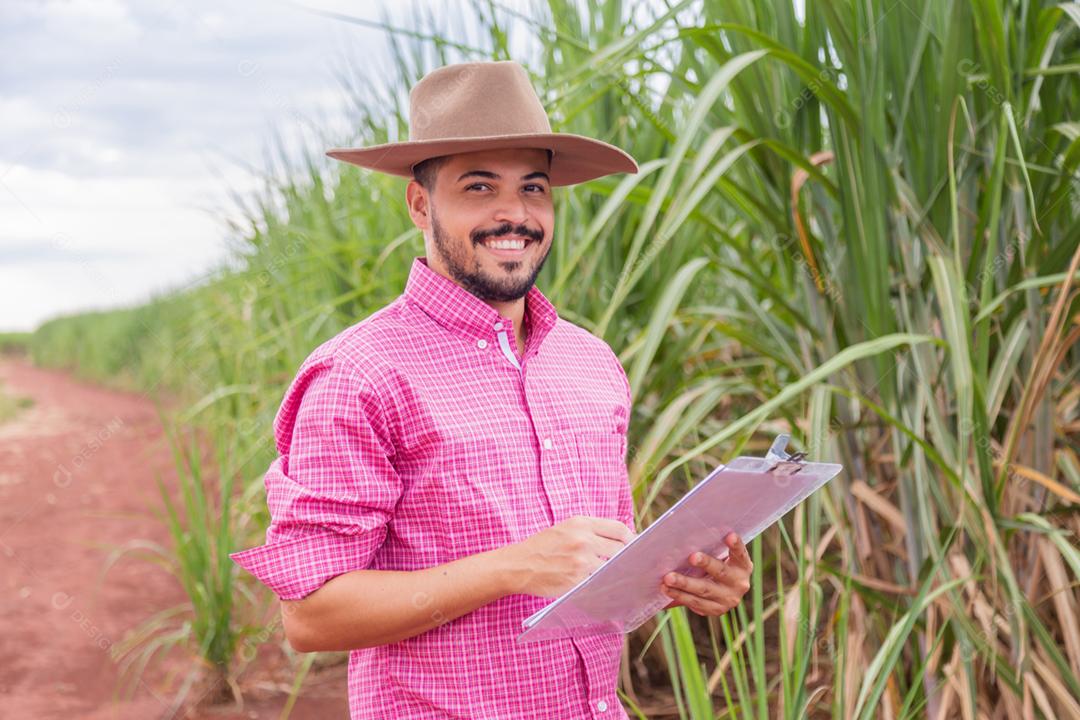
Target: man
[{"x": 457, "y": 459}]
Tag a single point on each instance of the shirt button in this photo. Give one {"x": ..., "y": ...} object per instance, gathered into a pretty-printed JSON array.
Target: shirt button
[
  {"x": 547, "y": 443},
  {"x": 498, "y": 326},
  {"x": 481, "y": 343},
  {"x": 601, "y": 706}
]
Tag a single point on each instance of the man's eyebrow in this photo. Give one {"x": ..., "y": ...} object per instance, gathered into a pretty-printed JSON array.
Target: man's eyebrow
[
  {"x": 479, "y": 173},
  {"x": 494, "y": 176}
]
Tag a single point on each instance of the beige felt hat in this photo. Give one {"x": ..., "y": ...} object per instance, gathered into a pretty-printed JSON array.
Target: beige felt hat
[{"x": 481, "y": 105}]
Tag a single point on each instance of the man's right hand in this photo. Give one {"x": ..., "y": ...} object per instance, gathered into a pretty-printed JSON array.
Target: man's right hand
[
  {"x": 400, "y": 604},
  {"x": 556, "y": 559}
]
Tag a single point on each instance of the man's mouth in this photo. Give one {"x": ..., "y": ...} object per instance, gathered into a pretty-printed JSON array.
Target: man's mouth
[{"x": 507, "y": 244}]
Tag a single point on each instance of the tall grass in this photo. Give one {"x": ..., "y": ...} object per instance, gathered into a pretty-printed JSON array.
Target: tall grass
[{"x": 856, "y": 223}]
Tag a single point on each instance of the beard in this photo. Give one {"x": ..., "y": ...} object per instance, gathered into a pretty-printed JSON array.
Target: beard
[{"x": 461, "y": 262}]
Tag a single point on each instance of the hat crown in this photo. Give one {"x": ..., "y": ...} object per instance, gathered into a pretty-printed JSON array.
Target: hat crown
[{"x": 475, "y": 99}]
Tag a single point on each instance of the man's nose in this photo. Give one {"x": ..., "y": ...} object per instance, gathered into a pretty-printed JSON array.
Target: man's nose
[{"x": 512, "y": 210}]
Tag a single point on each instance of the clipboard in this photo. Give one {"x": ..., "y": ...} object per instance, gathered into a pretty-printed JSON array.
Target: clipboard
[{"x": 747, "y": 495}]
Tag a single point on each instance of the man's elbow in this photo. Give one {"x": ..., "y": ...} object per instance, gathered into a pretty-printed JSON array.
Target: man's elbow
[
  {"x": 302, "y": 643},
  {"x": 306, "y": 635},
  {"x": 302, "y": 637}
]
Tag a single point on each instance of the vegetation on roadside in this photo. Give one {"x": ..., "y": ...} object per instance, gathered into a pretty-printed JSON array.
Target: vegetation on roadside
[
  {"x": 15, "y": 343},
  {"x": 12, "y": 405},
  {"x": 856, "y": 222}
]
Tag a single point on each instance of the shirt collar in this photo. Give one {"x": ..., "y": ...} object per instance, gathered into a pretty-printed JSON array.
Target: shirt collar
[{"x": 458, "y": 310}]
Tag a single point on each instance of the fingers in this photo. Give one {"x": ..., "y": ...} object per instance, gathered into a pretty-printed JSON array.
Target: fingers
[
  {"x": 714, "y": 567},
  {"x": 723, "y": 585},
  {"x": 728, "y": 586},
  {"x": 606, "y": 547},
  {"x": 738, "y": 555},
  {"x": 602, "y": 536},
  {"x": 707, "y": 595},
  {"x": 697, "y": 603},
  {"x": 608, "y": 528}
]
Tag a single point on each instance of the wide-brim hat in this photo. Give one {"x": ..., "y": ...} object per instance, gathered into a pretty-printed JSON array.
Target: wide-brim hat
[{"x": 479, "y": 106}]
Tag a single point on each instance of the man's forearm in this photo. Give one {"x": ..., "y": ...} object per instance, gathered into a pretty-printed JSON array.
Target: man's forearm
[{"x": 366, "y": 608}]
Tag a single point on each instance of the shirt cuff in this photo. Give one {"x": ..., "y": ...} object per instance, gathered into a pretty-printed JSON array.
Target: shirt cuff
[{"x": 296, "y": 567}]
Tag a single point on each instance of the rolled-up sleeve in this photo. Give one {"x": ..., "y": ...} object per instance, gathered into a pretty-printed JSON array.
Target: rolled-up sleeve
[{"x": 333, "y": 487}]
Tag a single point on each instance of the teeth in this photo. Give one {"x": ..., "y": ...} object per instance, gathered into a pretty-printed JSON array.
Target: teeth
[{"x": 506, "y": 244}]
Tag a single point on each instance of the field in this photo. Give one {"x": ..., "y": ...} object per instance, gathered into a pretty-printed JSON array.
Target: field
[{"x": 857, "y": 223}]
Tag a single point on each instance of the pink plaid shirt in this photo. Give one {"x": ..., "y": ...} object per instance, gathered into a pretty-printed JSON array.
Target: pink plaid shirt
[{"x": 418, "y": 436}]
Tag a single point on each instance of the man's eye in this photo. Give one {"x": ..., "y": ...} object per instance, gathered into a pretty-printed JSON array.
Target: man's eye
[
  {"x": 534, "y": 185},
  {"x": 476, "y": 185}
]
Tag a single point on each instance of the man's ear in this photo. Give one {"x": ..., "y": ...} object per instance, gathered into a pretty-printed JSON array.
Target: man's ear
[{"x": 416, "y": 197}]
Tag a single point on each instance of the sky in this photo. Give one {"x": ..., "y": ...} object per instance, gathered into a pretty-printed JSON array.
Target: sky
[{"x": 126, "y": 125}]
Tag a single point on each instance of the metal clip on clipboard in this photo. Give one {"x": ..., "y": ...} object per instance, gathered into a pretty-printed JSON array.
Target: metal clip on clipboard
[
  {"x": 746, "y": 496},
  {"x": 784, "y": 464}
]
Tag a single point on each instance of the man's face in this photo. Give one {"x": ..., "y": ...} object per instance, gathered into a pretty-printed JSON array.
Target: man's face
[{"x": 491, "y": 219}]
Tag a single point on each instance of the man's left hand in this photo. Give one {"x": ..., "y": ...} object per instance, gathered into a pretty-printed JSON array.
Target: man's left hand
[{"x": 722, "y": 586}]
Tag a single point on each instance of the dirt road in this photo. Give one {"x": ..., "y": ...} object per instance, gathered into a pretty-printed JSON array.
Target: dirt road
[{"x": 77, "y": 476}]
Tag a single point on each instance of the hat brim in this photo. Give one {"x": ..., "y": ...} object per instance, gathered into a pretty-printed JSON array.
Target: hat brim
[{"x": 575, "y": 158}]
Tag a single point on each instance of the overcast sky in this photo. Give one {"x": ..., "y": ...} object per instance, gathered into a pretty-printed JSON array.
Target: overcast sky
[{"x": 125, "y": 123}]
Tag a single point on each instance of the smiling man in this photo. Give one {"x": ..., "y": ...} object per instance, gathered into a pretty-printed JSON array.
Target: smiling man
[{"x": 454, "y": 461}]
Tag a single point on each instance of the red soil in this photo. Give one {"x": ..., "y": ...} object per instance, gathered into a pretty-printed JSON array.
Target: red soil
[{"x": 77, "y": 476}]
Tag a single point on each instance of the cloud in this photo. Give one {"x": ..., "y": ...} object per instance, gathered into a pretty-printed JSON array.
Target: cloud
[{"x": 127, "y": 124}]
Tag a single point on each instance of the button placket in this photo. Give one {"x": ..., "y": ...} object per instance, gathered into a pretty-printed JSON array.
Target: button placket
[
  {"x": 558, "y": 472},
  {"x": 501, "y": 328}
]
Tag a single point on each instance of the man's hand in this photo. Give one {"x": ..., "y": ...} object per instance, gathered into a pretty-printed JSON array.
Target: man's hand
[
  {"x": 722, "y": 587},
  {"x": 550, "y": 562}
]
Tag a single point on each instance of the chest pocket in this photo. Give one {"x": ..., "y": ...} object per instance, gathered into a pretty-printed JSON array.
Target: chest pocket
[
  {"x": 483, "y": 498},
  {"x": 601, "y": 460}
]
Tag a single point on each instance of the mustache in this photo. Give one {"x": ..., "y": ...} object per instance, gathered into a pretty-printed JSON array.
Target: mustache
[{"x": 479, "y": 236}]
